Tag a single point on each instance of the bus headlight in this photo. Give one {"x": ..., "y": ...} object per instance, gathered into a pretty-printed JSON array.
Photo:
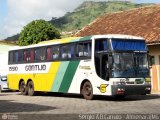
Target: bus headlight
[
  {"x": 148, "y": 80},
  {"x": 118, "y": 83},
  {"x": 148, "y": 83}
]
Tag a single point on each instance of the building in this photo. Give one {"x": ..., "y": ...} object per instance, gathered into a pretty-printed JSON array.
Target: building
[
  {"x": 4, "y": 58},
  {"x": 144, "y": 22}
]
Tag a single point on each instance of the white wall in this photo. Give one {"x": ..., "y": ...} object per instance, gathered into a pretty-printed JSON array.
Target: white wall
[
  {"x": 3, "y": 63},
  {"x": 4, "y": 48}
]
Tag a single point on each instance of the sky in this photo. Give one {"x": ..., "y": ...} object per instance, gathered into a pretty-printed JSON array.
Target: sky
[{"x": 15, "y": 14}]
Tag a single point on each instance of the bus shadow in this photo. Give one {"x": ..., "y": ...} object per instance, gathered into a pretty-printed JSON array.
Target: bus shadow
[
  {"x": 104, "y": 98},
  {"x": 64, "y": 95},
  {"x": 7, "y": 106},
  {"x": 128, "y": 98}
]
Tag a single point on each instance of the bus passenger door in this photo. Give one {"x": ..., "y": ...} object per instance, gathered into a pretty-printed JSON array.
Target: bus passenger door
[{"x": 102, "y": 66}]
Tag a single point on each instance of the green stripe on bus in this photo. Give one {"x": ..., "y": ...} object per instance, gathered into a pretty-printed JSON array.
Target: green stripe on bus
[
  {"x": 68, "y": 77},
  {"x": 75, "y": 40},
  {"x": 60, "y": 75},
  {"x": 81, "y": 39},
  {"x": 85, "y": 38}
]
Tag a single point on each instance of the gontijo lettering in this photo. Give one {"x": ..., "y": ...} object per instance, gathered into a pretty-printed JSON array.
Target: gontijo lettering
[{"x": 35, "y": 67}]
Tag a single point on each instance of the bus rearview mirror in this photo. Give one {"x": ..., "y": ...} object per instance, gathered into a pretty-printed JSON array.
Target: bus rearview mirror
[{"x": 151, "y": 61}]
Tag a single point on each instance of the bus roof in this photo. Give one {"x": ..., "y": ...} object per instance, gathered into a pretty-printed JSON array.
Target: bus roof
[
  {"x": 49, "y": 42},
  {"x": 74, "y": 39},
  {"x": 120, "y": 36}
]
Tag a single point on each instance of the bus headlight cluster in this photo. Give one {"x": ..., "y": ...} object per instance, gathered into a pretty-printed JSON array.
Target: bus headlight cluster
[
  {"x": 119, "y": 83},
  {"x": 148, "y": 82}
]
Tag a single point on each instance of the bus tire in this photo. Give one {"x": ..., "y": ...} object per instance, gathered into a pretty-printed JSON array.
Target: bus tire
[
  {"x": 30, "y": 88},
  {"x": 22, "y": 88},
  {"x": 87, "y": 91}
]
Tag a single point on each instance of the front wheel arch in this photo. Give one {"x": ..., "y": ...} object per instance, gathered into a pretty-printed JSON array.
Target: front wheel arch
[
  {"x": 87, "y": 90},
  {"x": 83, "y": 84}
]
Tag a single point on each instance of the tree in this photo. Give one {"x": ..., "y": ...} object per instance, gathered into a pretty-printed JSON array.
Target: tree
[{"x": 37, "y": 31}]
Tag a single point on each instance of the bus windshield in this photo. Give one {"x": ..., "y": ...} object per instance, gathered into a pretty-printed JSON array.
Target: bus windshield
[{"x": 130, "y": 65}]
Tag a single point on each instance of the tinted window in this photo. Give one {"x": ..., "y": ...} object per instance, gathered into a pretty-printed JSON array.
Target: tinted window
[
  {"x": 18, "y": 56},
  {"x": 25, "y": 55},
  {"x": 129, "y": 44},
  {"x": 10, "y": 57},
  {"x": 55, "y": 52},
  {"x": 28, "y": 55},
  {"x": 48, "y": 53},
  {"x": 87, "y": 49},
  {"x": 67, "y": 51},
  {"x": 31, "y": 55},
  {"x": 83, "y": 50},
  {"x": 101, "y": 45},
  {"x": 79, "y": 50},
  {"x": 40, "y": 54}
]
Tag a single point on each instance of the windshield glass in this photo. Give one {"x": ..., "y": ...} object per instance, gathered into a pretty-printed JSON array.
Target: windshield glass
[
  {"x": 130, "y": 65},
  {"x": 142, "y": 68}
]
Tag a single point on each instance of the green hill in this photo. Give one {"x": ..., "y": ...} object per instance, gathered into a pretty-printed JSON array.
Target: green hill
[
  {"x": 85, "y": 14},
  {"x": 13, "y": 39},
  {"x": 88, "y": 11}
]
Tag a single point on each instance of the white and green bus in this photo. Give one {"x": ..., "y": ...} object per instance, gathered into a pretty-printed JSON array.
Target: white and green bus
[{"x": 113, "y": 65}]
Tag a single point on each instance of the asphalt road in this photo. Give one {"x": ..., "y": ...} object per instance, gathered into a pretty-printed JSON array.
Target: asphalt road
[{"x": 64, "y": 106}]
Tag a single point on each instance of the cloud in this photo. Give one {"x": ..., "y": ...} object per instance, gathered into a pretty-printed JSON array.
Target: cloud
[{"x": 21, "y": 12}]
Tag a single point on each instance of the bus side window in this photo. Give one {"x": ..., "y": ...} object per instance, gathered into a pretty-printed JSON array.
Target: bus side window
[
  {"x": 101, "y": 45},
  {"x": 16, "y": 57},
  {"x": 48, "y": 53},
  {"x": 87, "y": 49},
  {"x": 83, "y": 49},
  {"x": 79, "y": 50},
  {"x": 67, "y": 51},
  {"x": 11, "y": 57},
  {"x": 20, "y": 56},
  {"x": 25, "y": 56},
  {"x": 40, "y": 54},
  {"x": 72, "y": 51},
  {"x": 64, "y": 52},
  {"x": 55, "y": 52},
  {"x": 32, "y": 55}
]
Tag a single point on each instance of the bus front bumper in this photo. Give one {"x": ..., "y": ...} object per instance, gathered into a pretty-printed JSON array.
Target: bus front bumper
[{"x": 131, "y": 89}]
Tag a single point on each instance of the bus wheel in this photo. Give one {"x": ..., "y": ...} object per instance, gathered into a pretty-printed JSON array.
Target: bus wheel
[
  {"x": 22, "y": 88},
  {"x": 30, "y": 88},
  {"x": 87, "y": 91}
]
